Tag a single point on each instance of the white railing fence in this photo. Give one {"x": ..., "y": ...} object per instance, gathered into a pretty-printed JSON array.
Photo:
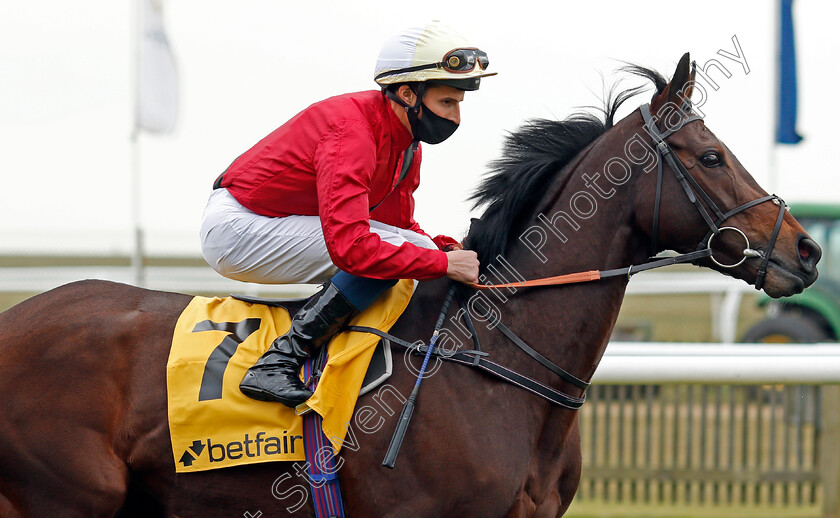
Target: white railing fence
[
  {"x": 651, "y": 362},
  {"x": 714, "y": 424}
]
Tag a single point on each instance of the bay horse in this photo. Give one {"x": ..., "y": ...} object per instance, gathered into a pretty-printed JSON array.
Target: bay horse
[{"x": 84, "y": 432}]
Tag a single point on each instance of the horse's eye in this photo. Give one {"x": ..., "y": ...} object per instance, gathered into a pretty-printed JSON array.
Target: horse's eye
[{"x": 711, "y": 159}]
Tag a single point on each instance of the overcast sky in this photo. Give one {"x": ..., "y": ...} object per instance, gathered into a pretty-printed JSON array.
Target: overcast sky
[{"x": 246, "y": 67}]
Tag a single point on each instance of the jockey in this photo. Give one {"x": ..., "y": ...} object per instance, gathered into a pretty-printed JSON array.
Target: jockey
[{"x": 328, "y": 196}]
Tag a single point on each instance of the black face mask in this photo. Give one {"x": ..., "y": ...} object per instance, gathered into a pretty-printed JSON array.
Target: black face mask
[{"x": 431, "y": 128}]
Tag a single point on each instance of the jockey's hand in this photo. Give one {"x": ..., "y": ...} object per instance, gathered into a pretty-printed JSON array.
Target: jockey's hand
[{"x": 463, "y": 266}]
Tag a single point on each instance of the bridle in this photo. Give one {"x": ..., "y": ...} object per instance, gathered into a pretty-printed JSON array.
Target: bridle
[
  {"x": 695, "y": 193},
  {"x": 693, "y": 189}
]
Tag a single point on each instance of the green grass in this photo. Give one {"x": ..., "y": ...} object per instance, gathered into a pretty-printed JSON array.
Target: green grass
[
  {"x": 8, "y": 300},
  {"x": 678, "y": 318}
]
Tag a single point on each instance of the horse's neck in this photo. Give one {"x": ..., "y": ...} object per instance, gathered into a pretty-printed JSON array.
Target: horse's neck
[{"x": 571, "y": 324}]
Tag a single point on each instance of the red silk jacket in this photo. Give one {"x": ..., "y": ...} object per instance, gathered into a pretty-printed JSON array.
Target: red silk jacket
[{"x": 337, "y": 159}]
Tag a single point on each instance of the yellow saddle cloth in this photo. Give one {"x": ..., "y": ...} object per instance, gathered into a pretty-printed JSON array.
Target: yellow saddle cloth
[{"x": 213, "y": 425}]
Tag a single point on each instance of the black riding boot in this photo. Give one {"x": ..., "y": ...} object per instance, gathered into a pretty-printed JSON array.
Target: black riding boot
[{"x": 275, "y": 375}]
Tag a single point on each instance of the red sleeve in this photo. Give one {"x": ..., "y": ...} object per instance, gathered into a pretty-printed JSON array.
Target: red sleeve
[
  {"x": 344, "y": 163},
  {"x": 440, "y": 240},
  {"x": 445, "y": 241},
  {"x": 402, "y": 204}
]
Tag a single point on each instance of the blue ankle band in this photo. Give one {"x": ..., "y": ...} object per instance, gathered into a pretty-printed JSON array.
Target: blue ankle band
[{"x": 360, "y": 291}]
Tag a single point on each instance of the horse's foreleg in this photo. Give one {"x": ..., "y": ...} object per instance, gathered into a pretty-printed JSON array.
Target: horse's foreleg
[
  {"x": 559, "y": 496},
  {"x": 567, "y": 484},
  {"x": 524, "y": 507}
]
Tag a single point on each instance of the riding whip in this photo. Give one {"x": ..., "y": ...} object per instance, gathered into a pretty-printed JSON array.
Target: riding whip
[{"x": 408, "y": 408}]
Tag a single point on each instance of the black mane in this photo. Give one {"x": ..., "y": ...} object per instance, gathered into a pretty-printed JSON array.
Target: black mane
[{"x": 532, "y": 155}]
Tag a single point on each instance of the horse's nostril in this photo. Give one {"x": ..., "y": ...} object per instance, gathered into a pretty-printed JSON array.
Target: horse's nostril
[
  {"x": 804, "y": 251},
  {"x": 809, "y": 251}
]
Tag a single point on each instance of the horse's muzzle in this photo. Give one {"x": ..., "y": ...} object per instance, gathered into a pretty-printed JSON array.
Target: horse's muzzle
[{"x": 809, "y": 255}]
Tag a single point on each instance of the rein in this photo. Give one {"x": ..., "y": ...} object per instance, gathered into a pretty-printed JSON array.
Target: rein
[
  {"x": 692, "y": 189},
  {"x": 480, "y": 360}
]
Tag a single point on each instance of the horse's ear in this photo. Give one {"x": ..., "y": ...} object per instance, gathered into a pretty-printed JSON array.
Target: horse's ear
[{"x": 678, "y": 91}]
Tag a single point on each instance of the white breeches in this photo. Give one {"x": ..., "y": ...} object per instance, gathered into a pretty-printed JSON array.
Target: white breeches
[{"x": 245, "y": 246}]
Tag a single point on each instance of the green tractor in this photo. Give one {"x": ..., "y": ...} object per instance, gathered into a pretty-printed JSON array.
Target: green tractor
[{"x": 814, "y": 315}]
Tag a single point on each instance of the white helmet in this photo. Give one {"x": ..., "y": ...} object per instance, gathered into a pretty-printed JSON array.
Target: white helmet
[{"x": 434, "y": 52}]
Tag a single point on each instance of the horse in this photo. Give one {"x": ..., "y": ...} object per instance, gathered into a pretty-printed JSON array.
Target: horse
[{"x": 82, "y": 367}]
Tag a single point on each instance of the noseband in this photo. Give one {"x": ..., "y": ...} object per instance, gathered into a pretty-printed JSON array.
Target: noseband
[{"x": 692, "y": 189}]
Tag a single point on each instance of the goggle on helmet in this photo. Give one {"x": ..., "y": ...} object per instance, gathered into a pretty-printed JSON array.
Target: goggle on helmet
[{"x": 434, "y": 52}]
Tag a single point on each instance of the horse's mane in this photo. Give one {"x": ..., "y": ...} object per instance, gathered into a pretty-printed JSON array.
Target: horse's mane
[{"x": 531, "y": 155}]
